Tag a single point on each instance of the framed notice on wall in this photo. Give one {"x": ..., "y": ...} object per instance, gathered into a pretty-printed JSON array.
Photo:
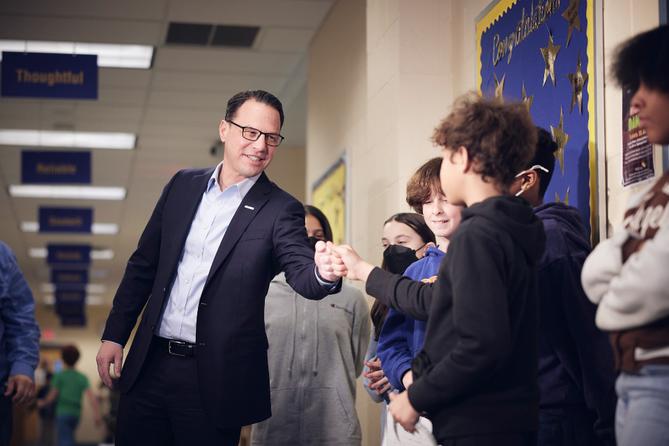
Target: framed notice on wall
[
  {"x": 541, "y": 52},
  {"x": 329, "y": 195},
  {"x": 637, "y": 159}
]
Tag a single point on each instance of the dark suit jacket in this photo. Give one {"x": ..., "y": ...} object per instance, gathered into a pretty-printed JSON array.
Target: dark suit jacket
[{"x": 231, "y": 340}]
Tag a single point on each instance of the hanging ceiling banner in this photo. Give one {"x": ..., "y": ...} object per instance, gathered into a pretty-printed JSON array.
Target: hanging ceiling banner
[
  {"x": 78, "y": 320},
  {"x": 68, "y": 254},
  {"x": 49, "y": 167},
  {"x": 72, "y": 220},
  {"x": 70, "y": 303},
  {"x": 44, "y": 75},
  {"x": 69, "y": 278}
]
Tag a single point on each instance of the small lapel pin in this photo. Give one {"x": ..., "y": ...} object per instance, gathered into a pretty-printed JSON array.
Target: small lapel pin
[{"x": 251, "y": 208}]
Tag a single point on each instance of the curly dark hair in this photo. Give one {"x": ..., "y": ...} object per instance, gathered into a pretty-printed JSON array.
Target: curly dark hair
[
  {"x": 643, "y": 58},
  {"x": 499, "y": 137},
  {"x": 423, "y": 183}
]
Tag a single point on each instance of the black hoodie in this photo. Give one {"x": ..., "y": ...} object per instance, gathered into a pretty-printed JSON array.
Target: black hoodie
[
  {"x": 478, "y": 367},
  {"x": 575, "y": 358}
]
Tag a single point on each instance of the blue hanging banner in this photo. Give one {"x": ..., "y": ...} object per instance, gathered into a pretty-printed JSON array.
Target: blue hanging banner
[
  {"x": 42, "y": 167},
  {"x": 70, "y": 302},
  {"x": 68, "y": 254},
  {"x": 77, "y": 220},
  {"x": 69, "y": 278},
  {"x": 44, "y": 75},
  {"x": 77, "y": 320}
]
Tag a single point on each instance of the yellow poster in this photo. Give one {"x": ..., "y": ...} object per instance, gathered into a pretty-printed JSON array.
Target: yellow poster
[{"x": 329, "y": 195}]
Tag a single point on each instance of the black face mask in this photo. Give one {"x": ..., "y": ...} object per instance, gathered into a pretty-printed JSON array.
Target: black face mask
[
  {"x": 313, "y": 241},
  {"x": 397, "y": 258}
]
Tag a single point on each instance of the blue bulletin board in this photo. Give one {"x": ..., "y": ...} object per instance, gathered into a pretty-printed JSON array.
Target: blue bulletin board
[{"x": 542, "y": 52}]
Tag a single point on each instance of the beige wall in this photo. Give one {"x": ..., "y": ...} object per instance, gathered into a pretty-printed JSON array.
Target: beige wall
[{"x": 288, "y": 169}]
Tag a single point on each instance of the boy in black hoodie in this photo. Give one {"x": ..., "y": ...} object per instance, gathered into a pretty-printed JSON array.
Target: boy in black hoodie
[
  {"x": 576, "y": 376},
  {"x": 476, "y": 378}
]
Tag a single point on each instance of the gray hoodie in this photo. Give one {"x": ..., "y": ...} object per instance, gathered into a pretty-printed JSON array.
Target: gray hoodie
[{"x": 316, "y": 352}]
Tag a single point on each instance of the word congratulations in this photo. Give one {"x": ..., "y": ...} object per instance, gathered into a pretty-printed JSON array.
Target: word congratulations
[
  {"x": 49, "y": 78},
  {"x": 524, "y": 28}
]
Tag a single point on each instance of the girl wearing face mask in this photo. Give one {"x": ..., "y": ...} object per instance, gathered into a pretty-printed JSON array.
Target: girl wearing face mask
[
  {"x": 402, "y": 336},
  {"x": 316, "y": 352},
  {"x": 406, "y": 238}
]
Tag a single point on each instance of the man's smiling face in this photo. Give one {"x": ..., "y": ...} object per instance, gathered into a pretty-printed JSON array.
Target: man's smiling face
[{"x": 243, "y": 158}]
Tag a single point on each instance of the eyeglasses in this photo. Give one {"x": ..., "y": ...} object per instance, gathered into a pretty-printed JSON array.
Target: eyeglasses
[{"x": 251, "y": 134}]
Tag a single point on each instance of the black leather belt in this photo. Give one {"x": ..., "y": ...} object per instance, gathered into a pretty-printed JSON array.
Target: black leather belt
[{"x": 176, "y": 348}]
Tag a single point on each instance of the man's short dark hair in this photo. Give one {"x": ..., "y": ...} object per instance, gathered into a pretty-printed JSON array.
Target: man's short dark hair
[
  {"x": 423, "y": 183},
  {"x": 643, "y": 58},
  {"x": 322, "y": 219},
  {"x": 70, "y": 355},
  {"x": 545, "y": 157},
  {"x": 499, "y": 136},
  {"x": 257, "y": 95}
]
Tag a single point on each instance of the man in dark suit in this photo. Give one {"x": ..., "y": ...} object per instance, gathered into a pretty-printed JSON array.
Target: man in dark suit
[{"x": 197, "y": 369}]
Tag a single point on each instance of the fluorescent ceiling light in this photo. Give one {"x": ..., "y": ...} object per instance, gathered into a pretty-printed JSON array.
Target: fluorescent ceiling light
[
  {"x": 97, "y": 228},
  {"x": 62, "y": 138},
  {"x": 109, "y": 55},
  {"x": 50, "y": 299},
  {"x": 96, "y": 254},
  {"x": 91, "y": 288},
  {"x": 67, "y": 192},
  {"x": 102, "y": 254},
  {"x": 37, "y": 253}
]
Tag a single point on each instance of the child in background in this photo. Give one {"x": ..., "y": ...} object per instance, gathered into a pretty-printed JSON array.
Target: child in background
[
  {"x": 405, "y": 239},
  {"x": 68, "y": 386},
  {"x": 316, "y": 351},
  {"x": 576, "y": 377},
  {"x": 402, "y": 337}
]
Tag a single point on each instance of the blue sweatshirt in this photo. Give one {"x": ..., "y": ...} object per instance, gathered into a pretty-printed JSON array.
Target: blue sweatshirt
[
  {"x": 402, "y": 336},
  {"x": 575, "y": 358}
]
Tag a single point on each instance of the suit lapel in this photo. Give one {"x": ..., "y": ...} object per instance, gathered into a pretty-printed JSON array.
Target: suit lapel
[
  {"x": 189, "y": 197},
  {"x": 246, "y": 212}
]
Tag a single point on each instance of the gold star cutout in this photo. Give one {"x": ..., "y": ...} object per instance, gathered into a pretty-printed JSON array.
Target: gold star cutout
[
  {"x": 527, "y": 100},
  {"x": 571, "y": 16},
  {"x": 499, "y": 87},
  {"x": 549, "y": 54},
  {"x": 577, "y": 81},
  {"x": 566, "y": 197},
  {"x": 561, "y": 139}
]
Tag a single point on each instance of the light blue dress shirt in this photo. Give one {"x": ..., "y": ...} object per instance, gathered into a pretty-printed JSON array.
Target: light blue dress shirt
[{"x": 209, "y": 225}]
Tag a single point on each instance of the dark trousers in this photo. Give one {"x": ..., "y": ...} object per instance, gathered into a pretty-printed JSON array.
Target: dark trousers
[
  {"x": 5, "y": 417},
  {"x": 519, "y": 439},
  {"x": 164, "y": 407},
  {"x": 568, "y": 426}
]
